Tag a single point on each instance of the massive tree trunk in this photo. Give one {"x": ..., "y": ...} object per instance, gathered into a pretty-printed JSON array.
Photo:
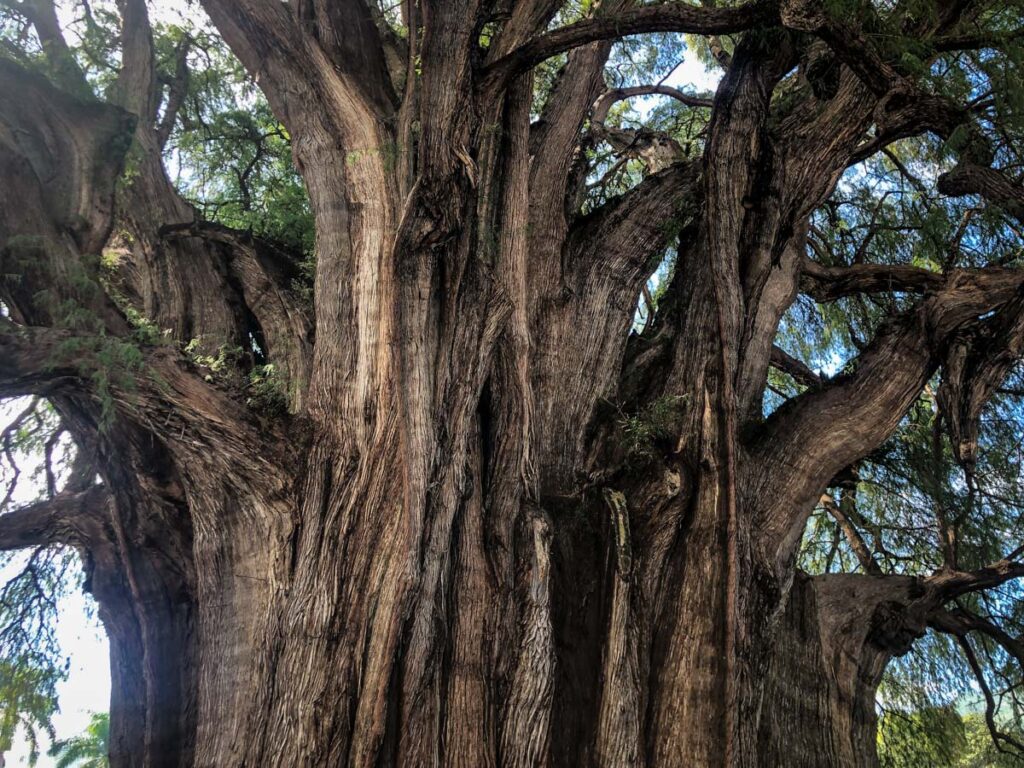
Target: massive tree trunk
[
  {"x": 449, "y": 551},
  {"x": 826, "y": 666}
]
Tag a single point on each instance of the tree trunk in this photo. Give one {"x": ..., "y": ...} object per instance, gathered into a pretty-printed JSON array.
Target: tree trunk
[
  {"x": 819, "y": 700},
  {"x": 496, "y": 528}
]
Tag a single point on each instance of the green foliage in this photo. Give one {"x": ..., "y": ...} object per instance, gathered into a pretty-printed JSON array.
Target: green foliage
[
  {"x": 264, "y": 387},
  {"x": 32, "y": 662},
  {"x": 267, "y": 391},
  {"x": 222, "y": 363},
  {"x": 111, "y": 362},
  {"x": 980, "y": 751},
  {"x": 930, "y": 736},
  {"x": 28, "y": 700},
  {"x": 36, "y": 458},
  {"x": 232, "y": 155},
  {"x": 942, "y": 737},
  {"x": 640, "y": 433},
  {"x": 89, "y": 750}
]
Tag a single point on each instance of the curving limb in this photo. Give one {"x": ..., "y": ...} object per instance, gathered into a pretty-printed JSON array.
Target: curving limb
[
  {"x": 662, "y": 17},
  {"x": 998, "y": 737},
  {"x": 71, "y": 518},
  {"x": 816, "y": 434}
]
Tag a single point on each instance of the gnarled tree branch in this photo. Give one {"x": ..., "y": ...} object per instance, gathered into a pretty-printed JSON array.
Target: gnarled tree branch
[
  {"x": 976, "y": 363},
  {"x": 840, "y": 512},
  {"x": 28, "y": 365},
  {"x": 176, "y": 91},
  {"x": 633, "y": 226},
  {"x": 66, "y": 518},
  {"x": 813, "y": 436},
  {"x": 797, "y": 369},
  {"x": 959, "y": 621},
  {"x": 825, "y": 284},
  {"x": 990, "y": 702},
  {"x": 610, "y": 98},
  {"x": 973, "y": 179},
  {"x": 663, "y": 17}
]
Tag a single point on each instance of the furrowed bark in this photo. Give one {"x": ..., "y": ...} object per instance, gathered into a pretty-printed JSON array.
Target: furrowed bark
[
  {"x": 449, "y": 553},
  {"x": 825, "y": 668},
  {"x": 61, "y": 156}
]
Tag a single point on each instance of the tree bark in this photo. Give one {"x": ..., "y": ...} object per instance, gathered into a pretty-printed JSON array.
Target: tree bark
[
  {"x": 449, "y": 551},
  {"x": 819, "y": 699}
]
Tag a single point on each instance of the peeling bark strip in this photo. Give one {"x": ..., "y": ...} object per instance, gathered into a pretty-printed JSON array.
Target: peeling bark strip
[{"x": 496, "y": 527}]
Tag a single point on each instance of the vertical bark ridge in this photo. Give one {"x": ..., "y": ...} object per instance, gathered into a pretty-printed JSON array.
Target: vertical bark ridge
[
  {"x": 619, "y": 731},
  {"x": 470, "y": 712},
  {"x": 336, "y": 648},
  {"x": 526, "y": 728},
  {"x": 686, "y": 716},
  {"x": 697, "y": 702}
]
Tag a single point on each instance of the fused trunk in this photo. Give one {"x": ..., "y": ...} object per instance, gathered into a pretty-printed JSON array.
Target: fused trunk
[
  {"x": 496, "y": 526},
  {"x": 456, "y": 562}
]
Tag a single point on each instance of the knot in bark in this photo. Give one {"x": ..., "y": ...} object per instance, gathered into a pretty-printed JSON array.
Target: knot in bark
[
  {"x": 895, "y": 626},
  {"x": 803, "y": 15},
  {"x": 822, "y": 70},
  {"x": 956, "y": 183}
]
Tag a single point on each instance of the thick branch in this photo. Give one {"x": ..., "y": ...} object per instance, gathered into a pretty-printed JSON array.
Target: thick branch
[
  {"x": 84, "y": 140},
  {"x": 664, "y": 17},
  {"x": 67, "y": 518},
  {"x": 154, "y": 386},
  {"x": 268, "y": 41},
  {"x": 813, "y": 436},
  {"x": 264, "y": 272},
  {"x": 797, "y": 369},
  {"x": 347, "y": 32},
  {"x": 176, "y": 91},
  {"x": 609, "y": 98},
  {"x": 975, "y": 365},
  {"x": 960, "y": 621},
  {"x": 136, "y": 88},
  {"x": 284, "y": 260},
  {"x": 970, "y": 41},
  {"x": 825, "y": 284},
  {"x": 558, "y": 168},
  {"x": 853, "y": 537},
  {"x": 952, "y": 584},
  {"x": 847, "y": 41},
  {"x": 628, "y": 229},
  {"x": 27, "y": 362},
  {"x": 973, "y": 179},
  {"x": 42, "y": 14}
]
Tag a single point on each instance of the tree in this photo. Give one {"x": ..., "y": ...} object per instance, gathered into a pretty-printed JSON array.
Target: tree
[
  {"x": 462, "y": 508},
  {"x": 88, "y": 750}
]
